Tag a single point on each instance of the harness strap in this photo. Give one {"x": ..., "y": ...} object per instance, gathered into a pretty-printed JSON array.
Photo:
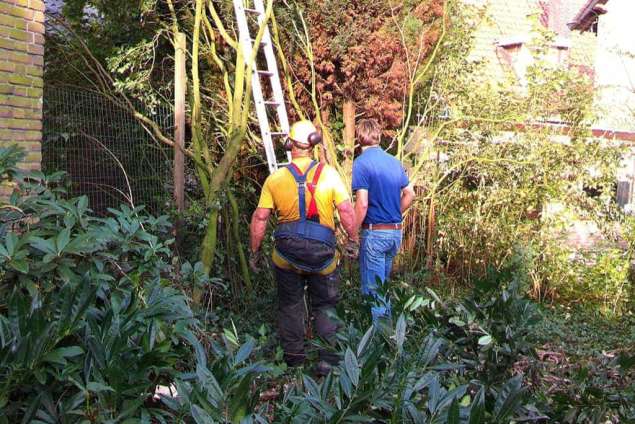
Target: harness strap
[
  {"x": 313, "y": 210},
  {"x": 300, "y": 179}
]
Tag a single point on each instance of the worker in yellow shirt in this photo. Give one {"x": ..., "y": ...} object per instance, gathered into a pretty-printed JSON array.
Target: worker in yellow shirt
[{"x": 305, "y": 195}]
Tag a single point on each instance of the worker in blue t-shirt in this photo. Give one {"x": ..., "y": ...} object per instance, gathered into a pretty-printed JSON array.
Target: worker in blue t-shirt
[{"x": 383, "y": 194}]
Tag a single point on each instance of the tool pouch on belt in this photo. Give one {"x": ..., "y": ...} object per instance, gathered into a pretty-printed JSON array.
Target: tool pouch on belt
[{"x": 306, "y": 244}]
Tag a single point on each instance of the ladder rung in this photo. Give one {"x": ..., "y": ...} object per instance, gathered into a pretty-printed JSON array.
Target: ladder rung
[
  {"x": 272, "y": 103},
  {"x": 265, "y": 73},
  {"x": 262, "y": 42},
  {"x": 252, "y": 11},
  {"x": 278, "y": 133}
]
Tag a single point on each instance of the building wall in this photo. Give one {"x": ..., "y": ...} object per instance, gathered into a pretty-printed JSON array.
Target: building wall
[
  {"x": 503, "y": 37},
  {"x": 608, "y": 57},
  {"x": 21, "y": 71},
  {"x": 615, "y": 66}
]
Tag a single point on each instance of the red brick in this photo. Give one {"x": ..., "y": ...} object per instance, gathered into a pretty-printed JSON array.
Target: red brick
[
  {"x": 35, "y": 27},
  {"x": 37, "y": 60},
  {"x": 20, "y": 91},
  {"x": 7, "y": 89},
  {"x": 37, "y": 5},
  {"x": 6, "y": 112},
  {"x": 12, "y": 10},
  {"x": 7, "y": 66},
  {"x": 17, "y": 79},
  {"x": 38, "y": 16},
  {"x": 35, "y": 92},
  {"x": 35, "y": 71},
  {"x": 21, "y": 102},
  {"x": 33, "y": 158},
  {"x": 19, "y": 57},
  {"x": 19, "y": 34},
  {"x": 14, "y": 45},
  {"x": 36, "y": 49},
  {"x": 23, "y": 3},
  {"x": 31, "y": 166},
  {"x": 23, "y": 113},
  {"x": 38, "y": 39},
  {"x": 23, "y": 124},
  {"x": 20, "y": 135},
  {"x": 12, "y": 22}
]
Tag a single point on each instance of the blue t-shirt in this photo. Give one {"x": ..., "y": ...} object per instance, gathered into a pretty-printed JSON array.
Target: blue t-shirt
[{"x": 383, "y": 176}]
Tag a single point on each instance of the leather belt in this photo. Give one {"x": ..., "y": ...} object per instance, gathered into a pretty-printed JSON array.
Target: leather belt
[{"x": 381, "y": 226}]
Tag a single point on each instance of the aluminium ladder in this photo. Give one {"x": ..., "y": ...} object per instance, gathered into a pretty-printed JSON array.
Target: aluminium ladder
[{"x": 277, "y": 102}]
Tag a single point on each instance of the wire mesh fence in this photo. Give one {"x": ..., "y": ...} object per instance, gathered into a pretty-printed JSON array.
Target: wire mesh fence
[{"x": 106, "y": 153}]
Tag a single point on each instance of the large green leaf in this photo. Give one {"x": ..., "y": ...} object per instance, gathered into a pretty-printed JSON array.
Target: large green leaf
[
  {"x": 59, "y": 355},
  {"x": 454, "y": 416},
  {"x": 400, "y": 332},
  {"x": 201, "y": 416},
  {"x": 244, "y": 351},
  {"x": 352, "y": 366},
  {"x": 477, "y": 410},
  {"x": 509, "y": 399},
  {"x": 364, "y": 341}
]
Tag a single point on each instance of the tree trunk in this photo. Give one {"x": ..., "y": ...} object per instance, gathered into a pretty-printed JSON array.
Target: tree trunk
[
  {"x": 208, "y": 250},
  {"x": 235, "y": 223},
  {"x": 349, "y": 138},
  {"x": 217, "y": 181}
]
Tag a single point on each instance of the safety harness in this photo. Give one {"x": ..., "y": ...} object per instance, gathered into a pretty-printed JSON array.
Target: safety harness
[{"x": 308, "y": 227}]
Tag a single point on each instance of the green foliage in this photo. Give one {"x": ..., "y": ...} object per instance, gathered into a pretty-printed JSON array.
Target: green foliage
[
  {"x": 381, "y": 379},
  {"x": 226, "y": 389},
  {"x": 495, "y": 169},
  {"x": 492, "y": 325},
  {"x": 88, "y": 325},
  {"x": 607, "y": 281}
]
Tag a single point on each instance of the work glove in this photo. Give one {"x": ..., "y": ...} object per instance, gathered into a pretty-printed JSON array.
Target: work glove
[
  {"x": 351, "y": 249},
  {"x": 255, "y": 260}
]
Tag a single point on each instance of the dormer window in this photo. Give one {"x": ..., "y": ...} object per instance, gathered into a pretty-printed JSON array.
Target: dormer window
[{"x": 588, "y": 17}]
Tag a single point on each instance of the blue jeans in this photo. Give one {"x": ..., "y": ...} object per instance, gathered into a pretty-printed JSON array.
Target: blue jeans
[{"x": 378, "y": 248}]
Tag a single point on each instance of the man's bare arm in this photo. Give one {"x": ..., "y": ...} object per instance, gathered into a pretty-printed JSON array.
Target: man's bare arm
[
  {"x": 258, "y": 228},
  {"x": 361, "y": 208},
  {"x": 407, "y": 197},
  {"x": 347, "y": 218}
]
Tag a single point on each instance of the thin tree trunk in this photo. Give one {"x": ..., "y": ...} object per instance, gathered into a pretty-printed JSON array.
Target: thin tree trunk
[
  {"x": 349, "y": 137},
  {"x": 213, "y": 197},
  {"x": 235, "y": 223},
  {"x": 208, "y": 250}
]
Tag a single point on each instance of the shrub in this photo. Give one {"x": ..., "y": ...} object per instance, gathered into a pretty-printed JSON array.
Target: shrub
[{"x": 88, "y": 324}]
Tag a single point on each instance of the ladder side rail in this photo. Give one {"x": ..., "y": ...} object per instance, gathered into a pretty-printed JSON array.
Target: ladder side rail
[
  {"x": 272, "y": 65},
  {"x": 259, "y": 101}
]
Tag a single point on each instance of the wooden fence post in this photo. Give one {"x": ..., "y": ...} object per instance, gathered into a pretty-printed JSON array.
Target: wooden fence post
[{"x": 180, "y": 86}]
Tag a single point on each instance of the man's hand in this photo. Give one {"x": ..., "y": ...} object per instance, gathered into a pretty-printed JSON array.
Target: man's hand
[
  {"x": 347, "y": 218},
  {"x": 255, "y": 260},
  {"x": 351, "y": 249}
]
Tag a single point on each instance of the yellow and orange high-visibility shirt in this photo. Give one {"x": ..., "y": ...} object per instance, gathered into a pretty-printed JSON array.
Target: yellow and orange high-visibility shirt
[{"x": 280, "y": 193}]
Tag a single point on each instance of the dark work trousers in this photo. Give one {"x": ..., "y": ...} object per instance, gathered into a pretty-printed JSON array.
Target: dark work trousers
[{"x": 323, "y": 294}]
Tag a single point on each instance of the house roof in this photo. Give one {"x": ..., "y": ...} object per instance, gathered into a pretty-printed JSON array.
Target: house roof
[{"x": 587, "y": 15}]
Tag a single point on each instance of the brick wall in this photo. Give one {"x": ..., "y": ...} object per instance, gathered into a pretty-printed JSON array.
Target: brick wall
[{"x": 21, "y": 69}]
